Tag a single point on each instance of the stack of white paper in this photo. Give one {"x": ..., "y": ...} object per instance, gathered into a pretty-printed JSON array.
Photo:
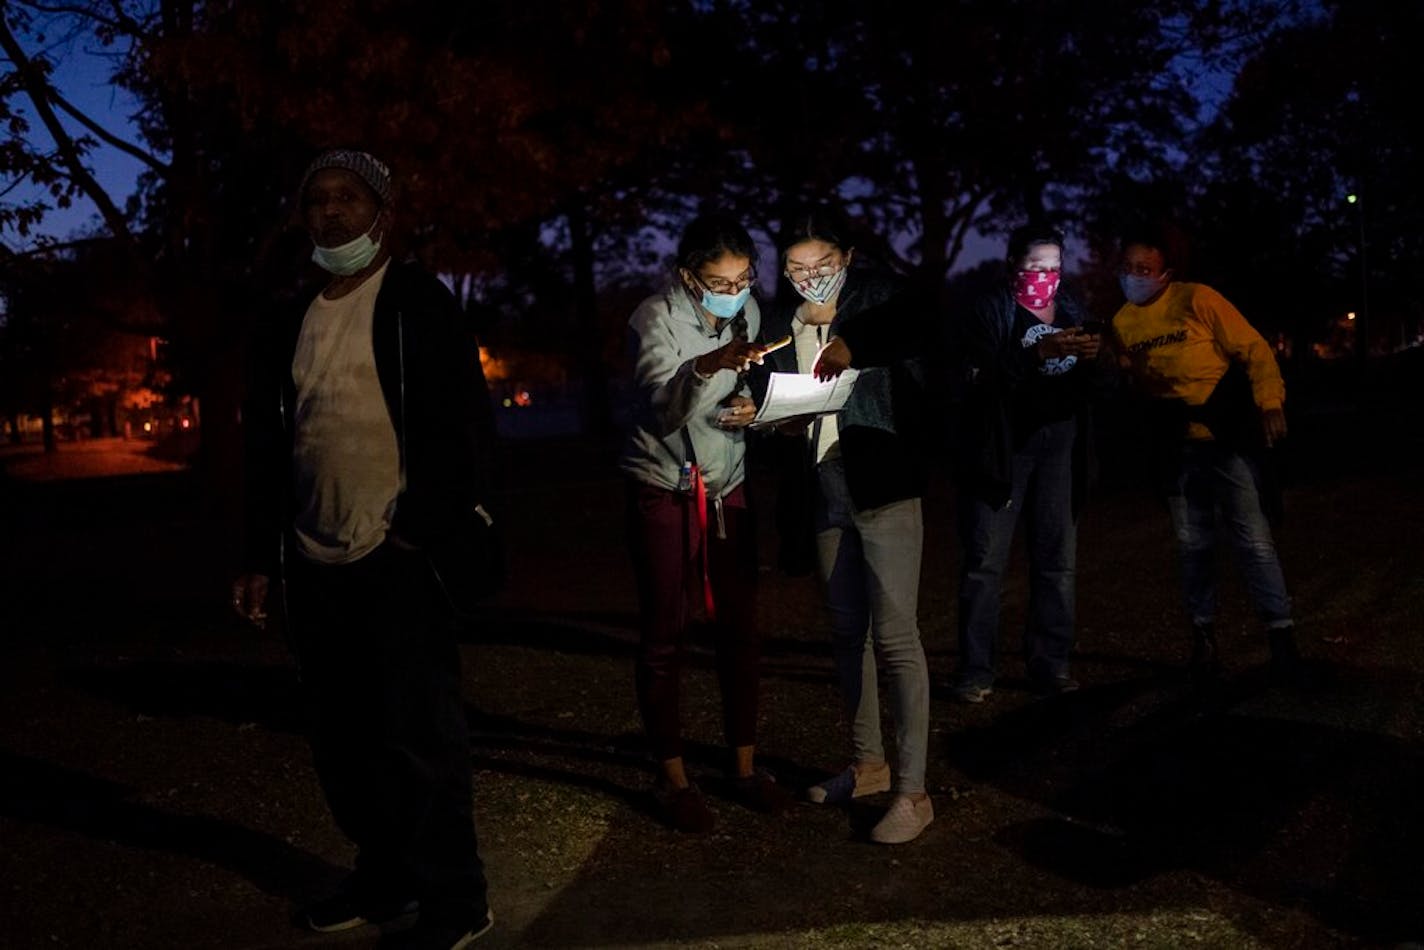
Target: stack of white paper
[{"x": 801, "y": 394}]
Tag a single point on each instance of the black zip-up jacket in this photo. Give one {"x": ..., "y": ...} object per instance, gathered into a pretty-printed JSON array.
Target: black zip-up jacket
[
  {"x": 429, "y": 369},
  {"x": 1002, "y": 370},
  {"x": 881, "y": 439}
]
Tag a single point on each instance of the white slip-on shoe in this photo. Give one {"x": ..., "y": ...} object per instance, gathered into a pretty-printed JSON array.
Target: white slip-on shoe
[{"x": 904, "y": 822}]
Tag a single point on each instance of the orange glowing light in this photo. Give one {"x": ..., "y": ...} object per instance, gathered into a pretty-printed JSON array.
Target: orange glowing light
[{"x": 494, "y": 369}]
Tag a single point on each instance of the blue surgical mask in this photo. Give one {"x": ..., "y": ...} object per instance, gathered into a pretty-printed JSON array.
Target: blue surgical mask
[
  {"x": 1139, "y": 289},
  {"x": 723, "y": 306},
  {"x": 349, "y": 258}
]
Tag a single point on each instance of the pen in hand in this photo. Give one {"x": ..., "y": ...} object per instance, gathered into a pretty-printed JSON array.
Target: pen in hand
[{"x": 774, "y": 346}]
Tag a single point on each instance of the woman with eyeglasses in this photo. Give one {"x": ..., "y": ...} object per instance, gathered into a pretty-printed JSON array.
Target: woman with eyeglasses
[
  {"x": 1031, "y": 352},
  {"x": 690, "y": 530},
  {"x": 850, "y": 501}
]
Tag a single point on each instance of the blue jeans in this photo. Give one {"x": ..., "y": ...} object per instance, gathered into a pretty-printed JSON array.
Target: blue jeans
[
  {"x": 1214, "y": 478},
  {"x": 870, "y": 562},
  {"x": 1042, "y": 487}
]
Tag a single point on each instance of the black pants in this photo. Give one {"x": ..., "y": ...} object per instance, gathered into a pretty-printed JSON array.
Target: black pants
[{"x": 381, "y": 675}]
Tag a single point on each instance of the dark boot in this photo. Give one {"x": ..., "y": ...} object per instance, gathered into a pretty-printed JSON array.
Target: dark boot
[
  {"x": 1206, "y": 661},
  {"x": 1285, "y": 658}
]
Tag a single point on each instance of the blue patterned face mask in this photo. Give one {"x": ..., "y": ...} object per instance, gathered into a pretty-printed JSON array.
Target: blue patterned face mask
[
  {"x": 1139, "y": 289},
  {"x": 723, "y": 306},
  {"x": 349, "y": 258}
]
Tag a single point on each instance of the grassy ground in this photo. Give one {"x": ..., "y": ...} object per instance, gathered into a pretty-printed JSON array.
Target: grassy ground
[{"x": 155, "y": 790}]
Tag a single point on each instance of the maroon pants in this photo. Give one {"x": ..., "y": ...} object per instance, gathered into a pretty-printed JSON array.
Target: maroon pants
[{"x": 666, "y": 545}]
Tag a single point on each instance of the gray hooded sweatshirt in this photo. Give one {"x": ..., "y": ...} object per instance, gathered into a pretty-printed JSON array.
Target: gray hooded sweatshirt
[{"x": 667, "y": 333}]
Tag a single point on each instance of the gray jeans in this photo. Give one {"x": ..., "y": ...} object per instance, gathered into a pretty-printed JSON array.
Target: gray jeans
[{"x": 870, "y": 562}]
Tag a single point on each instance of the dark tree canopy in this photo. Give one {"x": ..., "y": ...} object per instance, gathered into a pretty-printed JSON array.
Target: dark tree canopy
[{"x": 548, "y": 151}]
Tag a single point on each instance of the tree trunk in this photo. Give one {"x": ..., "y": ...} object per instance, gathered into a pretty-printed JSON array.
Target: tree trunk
[
  {"x": 935, "y": 228},
  {"x": 219, "y": 457},
  {"x": 598, "y": 402},
  {"x": 47, "y": 425}
]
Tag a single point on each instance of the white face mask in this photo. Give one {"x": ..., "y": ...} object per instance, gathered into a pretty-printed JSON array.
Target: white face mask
[{"x": 349, "y": 258}]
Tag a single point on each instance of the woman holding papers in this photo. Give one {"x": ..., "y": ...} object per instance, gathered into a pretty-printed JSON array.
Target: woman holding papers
[
  {"x": 689, "y": 529},
  {"x": 850, "y": 502},
  {"x": 1031, "y": 356}
]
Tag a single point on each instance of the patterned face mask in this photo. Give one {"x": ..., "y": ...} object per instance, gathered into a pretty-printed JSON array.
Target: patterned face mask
[
  {"x": 822, "y": 288},
  {"x": 1035, "y": 289}
]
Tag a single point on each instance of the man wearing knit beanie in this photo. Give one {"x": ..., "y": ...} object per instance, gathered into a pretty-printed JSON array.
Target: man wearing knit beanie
[
  {"x": 366, "y": 166},
  {"x": 369, "y": 428},
  {"x": 345, "y": 202}
]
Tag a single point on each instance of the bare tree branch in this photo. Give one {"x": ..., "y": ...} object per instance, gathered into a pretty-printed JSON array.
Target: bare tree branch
[
  {"x": 19, "y": 180},
  {"x": 965, "y": 214},
  {"x": 56, "y": 247},
  {"x": 119, "y": 21},
  {"x": 149, "y": 159},
  {"x": 40, "y": 93}
]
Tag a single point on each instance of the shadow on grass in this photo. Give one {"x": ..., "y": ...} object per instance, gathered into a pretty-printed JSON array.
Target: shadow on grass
[
  {"x": 1276, "y": 804},
  {"x": 1244, "y": 784},
  {"x": 36, "y": 792},
  {"x": 235, "y": 693},
  {"x": 1133, "y": 780}
]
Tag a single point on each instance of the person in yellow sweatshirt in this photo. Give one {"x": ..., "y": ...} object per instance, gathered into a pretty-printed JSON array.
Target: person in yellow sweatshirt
[{"x": 1186, "y": 346}]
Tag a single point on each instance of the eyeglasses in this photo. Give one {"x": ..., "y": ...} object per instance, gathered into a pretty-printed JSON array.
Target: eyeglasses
[
  {"x": 720, "y": 285},
  {"x": 825, "y": 267}
]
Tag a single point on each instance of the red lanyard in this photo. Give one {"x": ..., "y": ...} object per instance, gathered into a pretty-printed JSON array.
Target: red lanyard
[{"x": 699, "y": 498}]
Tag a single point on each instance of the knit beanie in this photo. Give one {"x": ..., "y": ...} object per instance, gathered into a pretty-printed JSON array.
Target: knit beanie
[{"x": 364, "y": 165}]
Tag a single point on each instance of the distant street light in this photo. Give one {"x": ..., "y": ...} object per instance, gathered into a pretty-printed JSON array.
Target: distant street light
[{"x": 1362, "y": 340}]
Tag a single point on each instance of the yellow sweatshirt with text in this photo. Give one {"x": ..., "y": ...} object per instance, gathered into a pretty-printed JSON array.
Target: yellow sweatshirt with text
[{"x": 1181, "y": 344}]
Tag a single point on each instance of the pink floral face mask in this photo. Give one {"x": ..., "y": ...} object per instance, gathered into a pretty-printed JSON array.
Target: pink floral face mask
[{"x": 1035, "y": 289}]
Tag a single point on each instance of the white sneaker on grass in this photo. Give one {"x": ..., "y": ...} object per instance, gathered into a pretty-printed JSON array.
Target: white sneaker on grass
[{"x": 904, "y": 822}]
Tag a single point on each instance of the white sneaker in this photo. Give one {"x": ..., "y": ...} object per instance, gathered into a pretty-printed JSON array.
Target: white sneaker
[{"x": 904, "y": 821}]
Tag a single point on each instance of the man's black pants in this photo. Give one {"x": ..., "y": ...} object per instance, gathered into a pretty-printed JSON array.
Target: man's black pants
[{"x": 381, "y": 675}]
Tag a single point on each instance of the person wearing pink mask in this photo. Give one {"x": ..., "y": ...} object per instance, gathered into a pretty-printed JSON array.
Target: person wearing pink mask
[{"x": 1031, "y": 354}]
